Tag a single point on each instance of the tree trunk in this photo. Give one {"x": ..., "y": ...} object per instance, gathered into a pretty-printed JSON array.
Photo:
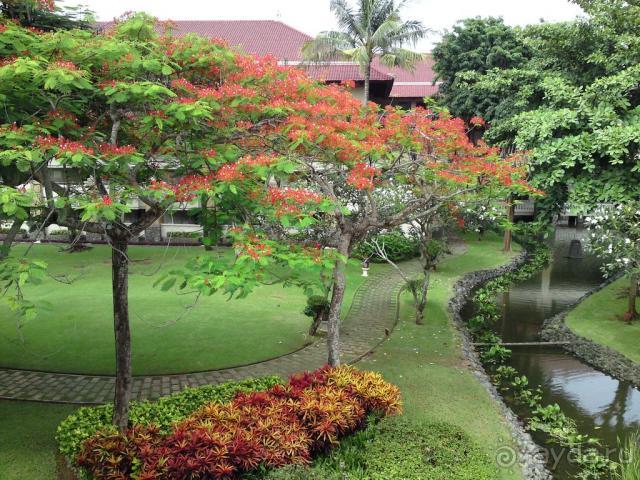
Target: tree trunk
[
  {"x": 9, "y": 239},
  {"x": 422, "y": 302},
  {"x": 337, "y": 297},
  {"x": 206, "y": 221},
  {"x": 508, "y": 233},
  {"x": 632, "y": 311},
  {"x": 317, "y": 321},
  {"x": 367, "y": 83},
  {"x": 120, "y": 285}
]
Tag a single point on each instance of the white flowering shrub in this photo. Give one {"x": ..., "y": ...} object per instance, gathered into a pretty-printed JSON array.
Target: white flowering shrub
[
  {"x": 615, "y": 238},
  {"x": 482, "y": 217}
]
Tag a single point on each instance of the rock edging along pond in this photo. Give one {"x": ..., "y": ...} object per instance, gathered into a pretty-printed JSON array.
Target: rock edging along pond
[
  {"x": 601, "y": 357},
  {"x": 531, "y": 458}
]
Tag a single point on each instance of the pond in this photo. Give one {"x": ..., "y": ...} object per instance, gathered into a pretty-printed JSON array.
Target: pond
[{"x": 602, "y": 406}]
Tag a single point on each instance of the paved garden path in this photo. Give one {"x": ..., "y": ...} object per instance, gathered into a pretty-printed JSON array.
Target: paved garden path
[{"x": 373, "y": 313}]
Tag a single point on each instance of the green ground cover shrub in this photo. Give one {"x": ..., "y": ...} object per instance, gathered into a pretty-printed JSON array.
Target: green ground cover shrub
[
  {"x": 399, "y": 247},
  {"x": 399, "y": 448}
]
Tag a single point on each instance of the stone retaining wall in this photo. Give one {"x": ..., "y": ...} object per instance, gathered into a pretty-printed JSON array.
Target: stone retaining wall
[
  {"x": 530, "y": 456},
  {"x": 599, "y": 356}
]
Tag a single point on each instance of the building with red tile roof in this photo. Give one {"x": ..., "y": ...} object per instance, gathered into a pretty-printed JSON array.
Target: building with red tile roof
[{"x": 269, "y": 37}]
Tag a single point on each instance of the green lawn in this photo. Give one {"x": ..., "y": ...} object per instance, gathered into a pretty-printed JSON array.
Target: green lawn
[
  {"x": 74, "y": 329},
  {"x": 425, "y": 361},
  {"x": 598, "y": 318},
  {"x": 27, "y": 444}
]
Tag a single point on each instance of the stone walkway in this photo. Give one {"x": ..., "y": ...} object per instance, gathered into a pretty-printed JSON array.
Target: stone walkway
[{"x": 374, "y": 310}]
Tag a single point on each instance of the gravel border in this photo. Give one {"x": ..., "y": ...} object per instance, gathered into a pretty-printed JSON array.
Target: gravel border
[
  {"x": 599, "y": 356},
  {"x": 530, "y": 456}
]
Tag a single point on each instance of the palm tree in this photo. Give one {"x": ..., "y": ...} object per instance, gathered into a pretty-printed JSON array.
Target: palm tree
[{"x": 373, "y": 29}]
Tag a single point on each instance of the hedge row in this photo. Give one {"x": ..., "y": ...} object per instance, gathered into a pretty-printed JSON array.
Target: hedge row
[
  {"x": 87, "y": 421},
  {"x": 254, "y": 432}
]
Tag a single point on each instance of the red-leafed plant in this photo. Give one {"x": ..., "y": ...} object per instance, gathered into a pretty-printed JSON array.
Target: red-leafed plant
[{"x": 284, "y": 425}]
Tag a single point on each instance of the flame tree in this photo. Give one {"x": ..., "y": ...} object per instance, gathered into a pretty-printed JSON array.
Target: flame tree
[{"x": 133, "y": 115}]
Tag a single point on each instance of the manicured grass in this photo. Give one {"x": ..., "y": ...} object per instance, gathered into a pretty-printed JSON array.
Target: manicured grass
[
  {"x": 27, "y": 445},
  {"x": 425, "y": 361},
  {"x": 599, "y": 318},
  {"x": 74, "y": 329}
]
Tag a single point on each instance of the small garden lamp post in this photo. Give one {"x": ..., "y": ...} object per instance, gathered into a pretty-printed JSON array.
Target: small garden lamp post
[{"x": 365, "y": 267}]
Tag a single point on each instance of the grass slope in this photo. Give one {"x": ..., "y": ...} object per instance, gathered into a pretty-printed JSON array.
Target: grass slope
[
  {"x": 425, "y": 361},
  {"x": 74, "y": 333},
  {"x": 598, "y": 318}
]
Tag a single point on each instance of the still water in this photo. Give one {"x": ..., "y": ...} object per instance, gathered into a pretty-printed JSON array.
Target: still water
[{"x": 602, "y": 406}]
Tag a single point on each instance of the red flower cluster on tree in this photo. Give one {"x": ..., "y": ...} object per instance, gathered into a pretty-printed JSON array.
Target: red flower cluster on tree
[
  {"x": 64, "y": 64},
  {"x": 362, "y": 176},
  {"x": 62, "y": 145},
  {"x": 109, "y": 150},
  {"x": 187, "y": 188},
  {"x": 190, "y": 186},
  {"x": 229, "y": 172},
  {"x": 290, "y": 201},
  {"x": 477, "y": 122},
  {"x": 253, "y": 246},
  {"x": 287, "y": 424},
  {"x": 106, "y": 201},
  {"x": 183, "y": 84}
]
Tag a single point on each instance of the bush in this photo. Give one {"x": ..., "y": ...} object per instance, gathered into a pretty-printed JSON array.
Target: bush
[
  {"x": 58, "y": 231},
  {"x": 258, "y": 430},
  {"x": 396, "y": 448},
  {"x": 316, "y": 304},
  {"x": 184, "y": 234},
  {"x": 398, "y": 246},
  {"x": 86, "y": 421},
  {"x": 5, "y": 230}
]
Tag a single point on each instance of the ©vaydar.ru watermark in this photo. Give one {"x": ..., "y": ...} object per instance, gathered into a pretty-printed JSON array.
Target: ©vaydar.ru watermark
[{"x": 508, "y": 457}]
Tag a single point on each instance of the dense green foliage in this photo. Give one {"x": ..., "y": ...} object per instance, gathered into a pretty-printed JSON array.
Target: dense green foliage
[
  {"x": 396, "y": 244},
  {"x": 397, "y": 448},
  {"x": 474, "y": 47},
  {"x": 571, "y": 99},
  {"x": 85, "y": 422}
]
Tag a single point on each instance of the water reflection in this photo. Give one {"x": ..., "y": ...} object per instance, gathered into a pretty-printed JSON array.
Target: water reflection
[{"x": 602, "y": 406}]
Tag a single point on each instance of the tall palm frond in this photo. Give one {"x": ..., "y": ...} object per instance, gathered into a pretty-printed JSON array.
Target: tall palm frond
[
  {"x": 328, "y": 46},
  {"x": 409, "y": 32},
  {"x": 369, "y": 29},
  {"x": 347, "y": 19},
  {"x": 400, "y": 57}
]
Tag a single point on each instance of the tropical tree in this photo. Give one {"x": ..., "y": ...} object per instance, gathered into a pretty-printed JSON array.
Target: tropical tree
[
  {"x": 571, "y": 101},
  {"x": 373, "y": 28},
  {"x": 45, "y": 14},
  {"x": 131, "y": 116},
  {"x": 473, "y": 48},
  {"x": 383, "y": 169},
  {"x": 615, "y": 237}
]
